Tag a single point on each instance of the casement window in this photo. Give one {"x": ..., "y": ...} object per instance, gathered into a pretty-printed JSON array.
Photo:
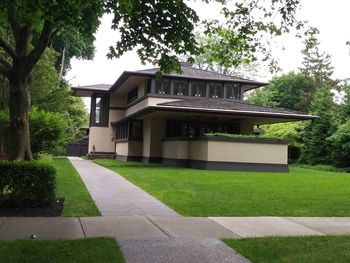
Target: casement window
[
  {"x": 233, "y": 91},
  {"x": 216, "y": 90},
  {"x": 163, "y": 86},
  {"x": 132, "y": 95},
  {"x": 180, "y": 87},
  {"x": 186, "y": 129},
  {"x": 198, "y": 89},
  {"x": 99, "y": 109},
  {"x": 132, "y": 130}
]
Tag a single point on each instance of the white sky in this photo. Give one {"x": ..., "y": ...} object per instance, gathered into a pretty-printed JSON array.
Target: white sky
[{"x": 330, "y": 17}]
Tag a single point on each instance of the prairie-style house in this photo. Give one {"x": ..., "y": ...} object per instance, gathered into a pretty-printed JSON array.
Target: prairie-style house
[{"x": 143, "y": 118}]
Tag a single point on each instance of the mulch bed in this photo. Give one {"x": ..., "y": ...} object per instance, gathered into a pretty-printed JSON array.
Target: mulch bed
[{"x": 8, "y": 209}]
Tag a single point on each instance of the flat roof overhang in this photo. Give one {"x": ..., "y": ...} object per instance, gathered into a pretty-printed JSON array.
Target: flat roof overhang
[
  {"x": 88, "y": 91},
  {"x": 256, "y": 117}
]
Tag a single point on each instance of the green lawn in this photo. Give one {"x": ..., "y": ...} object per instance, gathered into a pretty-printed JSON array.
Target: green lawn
[
  {"x": 313, "y": 249},
  {"x": 78, "y": 201},
  {"x": 65, "y": 251},
  {"x": 191, "y": 192}
]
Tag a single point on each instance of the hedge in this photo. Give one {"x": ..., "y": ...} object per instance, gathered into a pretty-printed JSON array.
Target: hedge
[{"x": 27, "y": 182}]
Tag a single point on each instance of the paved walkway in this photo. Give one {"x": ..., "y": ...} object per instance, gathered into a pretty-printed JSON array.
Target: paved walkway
[{"x": 116, "y": 196}]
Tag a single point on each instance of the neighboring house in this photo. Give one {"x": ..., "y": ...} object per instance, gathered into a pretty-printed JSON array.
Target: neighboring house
[{"x": 142, "y": 118}]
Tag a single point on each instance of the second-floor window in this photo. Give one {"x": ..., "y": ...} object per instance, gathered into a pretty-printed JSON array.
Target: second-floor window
[
  {"x": 199, "y": 89},
  {"x": 163, "y": 86},
  {"x": 181, "y": 87},
  {"x": 132, "y": 95},
  {"x": 233, "y": 91},
  {"x": 216, "y": 90},
  {"x": 99, "y": 109}
]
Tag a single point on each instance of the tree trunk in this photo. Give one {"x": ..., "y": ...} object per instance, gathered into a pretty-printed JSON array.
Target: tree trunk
[{"x": 19, "y": 104}]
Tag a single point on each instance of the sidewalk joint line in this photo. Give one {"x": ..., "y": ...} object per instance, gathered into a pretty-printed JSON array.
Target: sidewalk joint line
[
  {"x": 82, "y": 227},
  {"x": 239, "y": 236},
  {"x": 159, "y": 226},
  {"x": 308, "y": 227}
]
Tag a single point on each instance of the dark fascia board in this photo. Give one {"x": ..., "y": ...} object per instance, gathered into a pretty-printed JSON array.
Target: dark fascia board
[
  {"x": 93, "y": 91},
  {"x": 126, "y": 74},
  {"x": 150, "y": 109},
  {"x": 238, "y": 112}
]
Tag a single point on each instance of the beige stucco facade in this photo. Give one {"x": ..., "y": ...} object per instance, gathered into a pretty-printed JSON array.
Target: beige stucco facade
[{"x": 249, "y": 151}]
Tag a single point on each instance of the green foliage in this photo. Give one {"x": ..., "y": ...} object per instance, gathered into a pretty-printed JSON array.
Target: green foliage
[
  {"x": 289, "y": 131},
  {"x": 321, "y": 167},
  {"x": 317, "y": 149},
  {"x": 157, "y": 29},
  {"x": 48, "y": 131},
  {"x": 316, "y": 64},
  {"x": 340, "y": 141},
  {"x": 291, "y": 91},
  {"x": 28, "y": 182},
  {"x": 69, "y": 43},
  {"x": 248, "y": 30}
]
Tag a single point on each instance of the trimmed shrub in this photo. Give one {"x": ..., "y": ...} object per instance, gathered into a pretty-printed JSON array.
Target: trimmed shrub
[{"x": 28, "y": 183}]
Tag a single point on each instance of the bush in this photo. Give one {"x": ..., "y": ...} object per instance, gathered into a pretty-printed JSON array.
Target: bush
[
  {"x": 340, "y": 141},
  {"x": 28, "y": 182},
  {"x": 48, "y": 132}
]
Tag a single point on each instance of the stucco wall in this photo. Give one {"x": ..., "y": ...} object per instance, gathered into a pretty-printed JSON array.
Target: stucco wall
[
  {"x": 101, "y": 137},
  {"x": 227, "y": 151},
  {"x": 198, "y": 150},
  {"x": 122, "y": 148},
  {"x": 149, "y": 101},
  {"x": 247, "y": 152},
  {"x": 135, "y": 148},
  {"x": 153, "y": 133},
  {"x": 116, "y": 115},
  {"x": 176, "y": 149}
]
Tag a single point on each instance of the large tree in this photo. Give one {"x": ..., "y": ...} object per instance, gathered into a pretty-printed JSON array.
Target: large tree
[
  {"x": 291, "y": 91},
  {"x": 156, "y": 29},
  {"x": 317, "y": 64},
  {"x": 159, "y": 27}
]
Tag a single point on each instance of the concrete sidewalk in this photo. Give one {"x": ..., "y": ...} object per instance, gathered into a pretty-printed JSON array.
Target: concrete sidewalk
[
  {"x": 145, "y": 227},
  {"x": 171, "y": 239}
]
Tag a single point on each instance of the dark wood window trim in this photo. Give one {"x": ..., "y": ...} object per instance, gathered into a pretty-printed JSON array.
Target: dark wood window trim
[
  {"x": 130, "y": 130},
  {"x": 132, "y": 95},
  {"x": 104, "y": 118},
  {"x": 192, "y": 129}
]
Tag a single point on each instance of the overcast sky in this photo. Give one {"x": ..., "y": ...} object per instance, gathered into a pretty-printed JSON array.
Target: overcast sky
[{"x": 330, "y": 17}]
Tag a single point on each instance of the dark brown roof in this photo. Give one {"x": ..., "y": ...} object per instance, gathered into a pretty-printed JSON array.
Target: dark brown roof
[
  {"x": 195, "y": 73},
  {"x": 231, "y": 105},
  {"x": 188, "y": 72}
]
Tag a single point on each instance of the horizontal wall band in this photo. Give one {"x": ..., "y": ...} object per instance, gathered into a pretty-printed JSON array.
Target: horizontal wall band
[{"x": 210, "y": 165}]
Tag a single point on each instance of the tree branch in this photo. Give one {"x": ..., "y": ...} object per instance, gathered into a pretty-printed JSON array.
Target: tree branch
[
  {"x": 4, "y": 71},
  {"x": 5, "y": 63},
  {"x": 7, "y": 47},
  {"x": 16, "y": 28},
  {"x": 45, "y": 37}
]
